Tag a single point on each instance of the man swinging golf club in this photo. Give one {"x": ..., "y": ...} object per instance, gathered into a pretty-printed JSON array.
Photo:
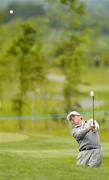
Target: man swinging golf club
[{"x": 86, "y": 134}]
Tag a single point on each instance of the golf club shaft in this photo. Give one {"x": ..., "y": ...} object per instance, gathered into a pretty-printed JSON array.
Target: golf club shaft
[{"x": 93, "y": 111}]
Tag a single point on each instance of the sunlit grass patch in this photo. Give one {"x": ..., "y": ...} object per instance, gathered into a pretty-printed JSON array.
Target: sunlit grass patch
[{"x": 10, "y": 137}]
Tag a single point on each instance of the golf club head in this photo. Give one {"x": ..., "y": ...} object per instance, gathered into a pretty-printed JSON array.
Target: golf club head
[{"x": 91, "y": 93}]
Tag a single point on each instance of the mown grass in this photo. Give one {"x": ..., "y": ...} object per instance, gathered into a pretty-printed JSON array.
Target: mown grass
[
  {"x": 51, "y": 154},
  {"x": 96, "y": 75},
  {"x": 46, "y": 157}
]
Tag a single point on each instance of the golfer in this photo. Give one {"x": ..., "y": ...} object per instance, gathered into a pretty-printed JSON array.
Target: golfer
[{"x": 86, "y": 134}]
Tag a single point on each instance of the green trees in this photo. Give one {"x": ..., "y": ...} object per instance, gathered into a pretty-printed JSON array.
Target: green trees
[
  {"x": 29, "y": 64},
  {"x": 29, "y": 51},
  {"x": 70, "y": 52},
  {"x": 20, "y": 49}
]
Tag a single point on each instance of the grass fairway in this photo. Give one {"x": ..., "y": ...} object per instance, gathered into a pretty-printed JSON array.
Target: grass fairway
[{"x": 45, "y": 157}]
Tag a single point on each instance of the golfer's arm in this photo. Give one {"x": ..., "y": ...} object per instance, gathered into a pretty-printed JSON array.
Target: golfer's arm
[{"x": 80, "y": 133}]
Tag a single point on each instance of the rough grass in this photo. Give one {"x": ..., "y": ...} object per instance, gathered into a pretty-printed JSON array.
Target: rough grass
[{"x": 46, "y": 157}]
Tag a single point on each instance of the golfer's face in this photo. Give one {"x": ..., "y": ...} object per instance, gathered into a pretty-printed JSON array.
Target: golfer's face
[{"x": 74, "y": 119}]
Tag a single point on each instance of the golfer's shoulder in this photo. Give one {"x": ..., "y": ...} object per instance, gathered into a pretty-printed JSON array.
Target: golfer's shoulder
[
  {"x": 76, "y": 128},
  {"x": 74, "y": 131}
]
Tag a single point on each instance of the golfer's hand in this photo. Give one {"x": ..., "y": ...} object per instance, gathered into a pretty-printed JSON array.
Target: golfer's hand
[{"x": 93, "y": 128}]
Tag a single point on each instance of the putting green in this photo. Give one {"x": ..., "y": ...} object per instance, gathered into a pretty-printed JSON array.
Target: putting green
[{"x": 10, "y": 137}]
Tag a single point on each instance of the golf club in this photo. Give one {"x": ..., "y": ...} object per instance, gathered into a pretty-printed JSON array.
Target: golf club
[{"x": 92, "y": 95}]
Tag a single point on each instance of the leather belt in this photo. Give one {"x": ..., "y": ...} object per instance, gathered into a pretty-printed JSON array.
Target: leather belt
[{"x": 87, "y": 148}]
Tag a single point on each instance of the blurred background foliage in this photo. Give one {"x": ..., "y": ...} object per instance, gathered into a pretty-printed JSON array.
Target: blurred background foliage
[{"x": 52, "y": 55}]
